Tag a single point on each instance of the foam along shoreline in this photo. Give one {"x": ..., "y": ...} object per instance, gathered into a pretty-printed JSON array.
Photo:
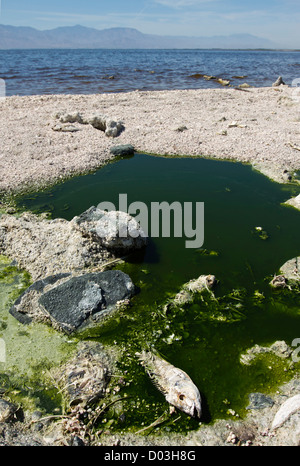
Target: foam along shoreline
[{"x": 259, "y": 126}]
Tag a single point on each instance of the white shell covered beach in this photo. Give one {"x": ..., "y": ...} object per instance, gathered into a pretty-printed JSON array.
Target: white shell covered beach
[{"x": 260, "y": 126}]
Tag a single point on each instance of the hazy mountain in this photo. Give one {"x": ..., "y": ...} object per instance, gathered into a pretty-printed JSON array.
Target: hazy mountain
[{"x": 12, "y": 37}]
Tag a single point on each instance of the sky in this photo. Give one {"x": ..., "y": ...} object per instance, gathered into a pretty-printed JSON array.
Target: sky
[{"x": 277, "y": 20}]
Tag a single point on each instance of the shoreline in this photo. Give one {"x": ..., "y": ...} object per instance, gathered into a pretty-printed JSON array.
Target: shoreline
[{"x": 259, "y": 126}]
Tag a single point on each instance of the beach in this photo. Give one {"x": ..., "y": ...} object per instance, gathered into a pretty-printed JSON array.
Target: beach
[{"x": 260, "y": 126}]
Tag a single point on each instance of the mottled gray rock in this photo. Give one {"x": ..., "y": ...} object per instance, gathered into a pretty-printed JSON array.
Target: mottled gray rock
[
  {"x": 122, "y": 150},
  {"x": 259, "y": 401},
  {"x": 70, "y": 304}
]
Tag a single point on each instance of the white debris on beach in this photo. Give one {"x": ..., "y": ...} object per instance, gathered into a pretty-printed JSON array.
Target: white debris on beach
[{"x": 265, "y": 133}]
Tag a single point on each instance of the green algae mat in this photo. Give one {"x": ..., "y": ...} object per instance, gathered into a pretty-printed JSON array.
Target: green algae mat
[{"x": 248, "y": 235}]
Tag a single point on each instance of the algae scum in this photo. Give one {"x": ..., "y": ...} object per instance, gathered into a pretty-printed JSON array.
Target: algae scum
[{"x": 249, "y": 234}]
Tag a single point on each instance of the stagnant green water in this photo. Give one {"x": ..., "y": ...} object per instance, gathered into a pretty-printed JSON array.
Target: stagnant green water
[{"x": 207, "y": 338}]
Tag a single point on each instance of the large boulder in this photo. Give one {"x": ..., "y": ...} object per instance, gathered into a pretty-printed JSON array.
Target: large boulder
[{"x": 71, "y": 303}]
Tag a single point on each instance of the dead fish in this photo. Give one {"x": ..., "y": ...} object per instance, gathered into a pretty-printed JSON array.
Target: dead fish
[
  {"x": 177, "y": 387},
  {"x": 289, "y": 407}
]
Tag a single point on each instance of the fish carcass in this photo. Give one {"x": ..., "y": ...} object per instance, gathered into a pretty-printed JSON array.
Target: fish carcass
[{"x": 177, "y": 387}]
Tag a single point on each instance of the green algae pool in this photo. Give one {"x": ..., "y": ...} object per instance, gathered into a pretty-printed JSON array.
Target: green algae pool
[{"x": 207, "y": 337}]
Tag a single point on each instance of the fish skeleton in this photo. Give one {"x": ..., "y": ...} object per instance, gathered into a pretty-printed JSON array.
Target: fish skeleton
[{"x": 177, "y": 387}]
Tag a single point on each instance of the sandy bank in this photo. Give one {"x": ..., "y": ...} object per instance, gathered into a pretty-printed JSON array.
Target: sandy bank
[{"x": 260, "y": 126}]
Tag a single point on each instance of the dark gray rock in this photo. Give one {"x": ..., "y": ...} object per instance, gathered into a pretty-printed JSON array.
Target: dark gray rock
[
  {"x": 70, "y": 304},
  {"x": 122, "y": 150},
  {"x": 259, "y": 401},
  {"x": 17, "y": 309}
]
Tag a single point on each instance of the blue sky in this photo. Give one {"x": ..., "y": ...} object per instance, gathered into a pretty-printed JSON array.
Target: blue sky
[{"x": 277, "y": 20}]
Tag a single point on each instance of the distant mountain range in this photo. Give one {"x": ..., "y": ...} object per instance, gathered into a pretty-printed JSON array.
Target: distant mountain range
[{"x": 12, "y": 37}]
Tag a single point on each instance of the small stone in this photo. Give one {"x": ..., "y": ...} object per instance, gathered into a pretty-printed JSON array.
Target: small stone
[
  {"x": 181, "y": 129},
  {"x": 231, "y": 438},
  {"x": 259, "y": 401},
  {"x": 122, "y": 150},
  {"x": 7, "y": 410},
  {"x": 278, "y": 281},
  {"x": 278, "y": 82}
]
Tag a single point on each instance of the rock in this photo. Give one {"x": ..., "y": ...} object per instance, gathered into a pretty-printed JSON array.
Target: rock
[
  {"x": 224, "y": 82},
  {"x": 278, "y": 82},
  {"x": 294, "y": 202},
  {"x": 278, "y": 282},
  {"x": 65, "y": 128},
  {"x": 288, "y": 408},
  {"x": 259, "y": 401},
  {"x": 116, "y": 231},
  {"x": 244, "y": 86},
  {"x": 26, "y": 308},
  {"x": 291, "y": 270},
  {"x": 72, "y": 303},
  {"x": 70, "y": 117},
  {"x": 7, "y": 411},
  {"x": 111, "y": 127},
  {"x": 181, "y": 129},
  {"x": 122, "y": 150},
  {"x": 279, "y": 349},
  {"x": 197, "y": 76},
  {"x": 287, "y": 176},
  {"x": 84, "y": 378},
  {"x": 208, "y": 77},
  {"x": 48, "y": 247}
]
